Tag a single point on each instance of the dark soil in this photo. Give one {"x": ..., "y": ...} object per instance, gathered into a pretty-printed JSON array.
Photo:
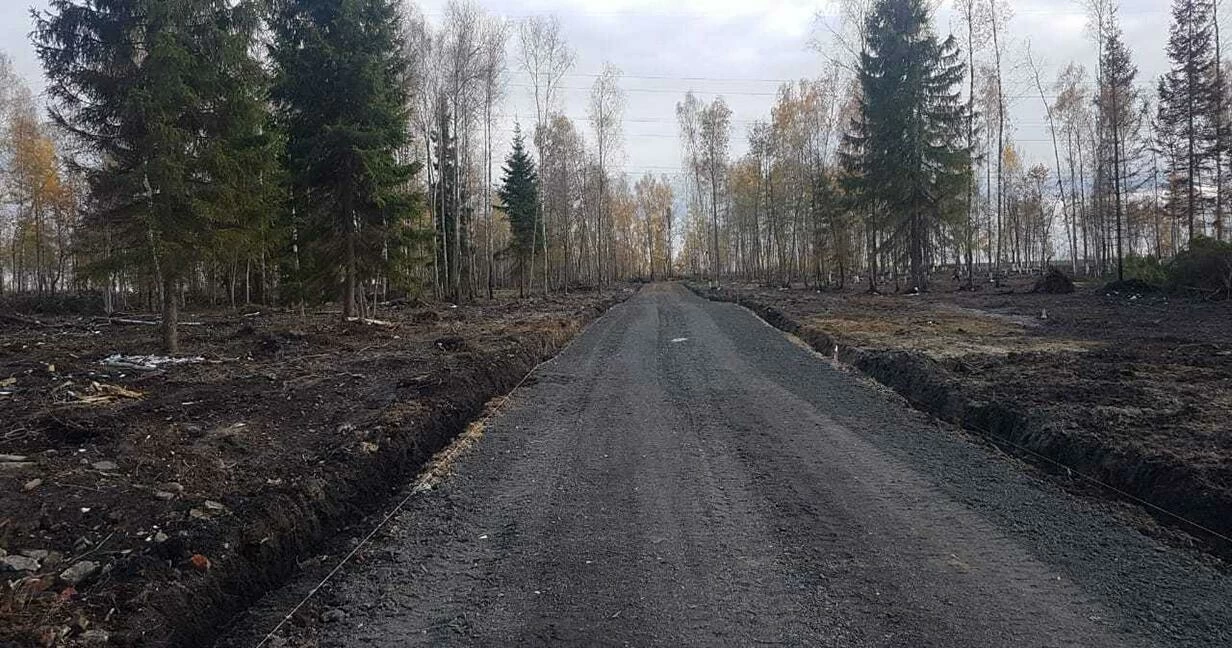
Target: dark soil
[
  {"x": 1054, "y": 282},
  {"x": 182, "y": 494},
  {"x": 1129, "y": 287},
  {"x": 1131, "y": 389},
  {"x": 684, "y": 476}
]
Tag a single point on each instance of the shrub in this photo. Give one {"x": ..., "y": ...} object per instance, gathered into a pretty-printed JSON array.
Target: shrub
[
  {"x": 1147, "y": 269},
  {"x": 1206, "y": 267},
  {"x": 60, "y": 304}
]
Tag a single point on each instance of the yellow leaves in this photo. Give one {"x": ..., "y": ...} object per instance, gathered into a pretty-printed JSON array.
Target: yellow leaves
[
  {"x": 745, "y": 176},
  {"x": 34, "y": 173},
  {"x": 1011, "y": 158}
]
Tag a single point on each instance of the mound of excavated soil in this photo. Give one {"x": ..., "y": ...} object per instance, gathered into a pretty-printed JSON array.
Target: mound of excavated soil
[{"x": 1054, "y": 283}]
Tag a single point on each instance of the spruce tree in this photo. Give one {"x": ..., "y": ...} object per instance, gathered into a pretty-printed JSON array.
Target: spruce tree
[
  {"x": 1118, "y": 113},
  {"x": 519, "y": 194},
  {"x": 167, "y": 101},
  {"x": 341, "y": 103},
  {"x": 905, "y": 148},
  {"x": 1188, "y": 100}
]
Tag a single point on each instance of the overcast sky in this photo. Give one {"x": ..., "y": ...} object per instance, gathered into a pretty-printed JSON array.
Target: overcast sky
[{"x": 741, "y": 49}]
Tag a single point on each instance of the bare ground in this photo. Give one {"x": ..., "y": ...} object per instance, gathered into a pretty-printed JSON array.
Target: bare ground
[
  {"x": 683, "y": 475},
  {"x": 144, "y": 507},
  {"x": 1134, "y": 390}
]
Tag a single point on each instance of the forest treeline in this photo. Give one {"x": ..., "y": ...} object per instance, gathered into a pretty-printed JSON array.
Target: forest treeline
[
  {"x": 899, "y": 163},
  {"x": 300, "y": 151},
  {"x": 295, "y": 152}
]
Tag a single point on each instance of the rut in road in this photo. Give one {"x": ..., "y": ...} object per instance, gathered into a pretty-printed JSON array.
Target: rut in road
[{"x": 684, "y": 475}]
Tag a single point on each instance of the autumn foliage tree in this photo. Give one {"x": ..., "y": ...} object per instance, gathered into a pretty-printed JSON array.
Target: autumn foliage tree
[
  {"x": 185, "y": 163},
  {"x": 40, "y": 244},
  {"x": 654, "y": 216}
]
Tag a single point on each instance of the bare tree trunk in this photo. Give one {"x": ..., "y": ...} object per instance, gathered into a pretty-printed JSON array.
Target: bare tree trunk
[
  {"x": 1191, "y": 137},
  {"x": 714, "y": 211},
  {"x": 1073, "y": 205},
  {"x": 872, "y": 257},
  {"x": 650, "y": 245},
  {"x": 1056, "y": 150},
  {"x": 1082, "y": 196},
  {"x": 437, "y": 224},
  {"x": 971, "y": 147},
  {"x": 1159, "y": 243},
  {"x": 568, "y": 243},
  {"x": 1116, "y": 187},
  {"x": 487, "y": 187},
  {"x": 171, "y": 316},
  {"x": 528, "y": 273},
  {"x": 456, "y": 265},
  {"x": 547, "y": 289},
  {"x": 1220, "y": 120},
  {"x": 669, "y": 270},
  {"x": 996, "y": 46},
  {"x": 599, "y": 214},
  {"x": 348, "y": 283},
  {"x": 467, "y": 167}
]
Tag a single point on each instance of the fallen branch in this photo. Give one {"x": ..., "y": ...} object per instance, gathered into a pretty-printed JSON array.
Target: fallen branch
[
  {"x": 136, "y": 322},
  {"x": 104, "y": 393},
  {"x": 371, "y": 322},
  {"x": 146, "y": 363}
]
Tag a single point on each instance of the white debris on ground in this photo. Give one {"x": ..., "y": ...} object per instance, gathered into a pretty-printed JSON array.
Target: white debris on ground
[
  {"x": 147, "y": 362},
  {"x": 371, "y": 322}
]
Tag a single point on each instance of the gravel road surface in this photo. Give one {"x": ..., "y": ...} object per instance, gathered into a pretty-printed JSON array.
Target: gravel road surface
[{"x": 684, "y": 475}]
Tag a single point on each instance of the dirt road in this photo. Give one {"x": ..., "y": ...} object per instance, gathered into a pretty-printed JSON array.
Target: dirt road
[{"x": 684, "y": 475}]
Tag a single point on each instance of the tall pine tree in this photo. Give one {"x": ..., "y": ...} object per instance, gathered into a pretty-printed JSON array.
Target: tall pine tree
[
  {"x": 905, "y": 149},
  {"x": 1188, "y": 101},
  {"x": 1117, "y": 101},
  {"x": 338, "y": 91},
  {"x": 168, "y": 102},
  {"x": 519, "y": 194}
]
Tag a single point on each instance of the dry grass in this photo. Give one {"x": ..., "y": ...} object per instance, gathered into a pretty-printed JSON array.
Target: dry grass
[{"x": 943, "y": 335}]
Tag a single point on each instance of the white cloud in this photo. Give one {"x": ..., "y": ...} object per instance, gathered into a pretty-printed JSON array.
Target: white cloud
[{"x": 749, "y": 43}]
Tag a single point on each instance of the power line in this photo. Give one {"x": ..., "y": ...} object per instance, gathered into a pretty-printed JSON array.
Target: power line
[
  {"x": 679, "y": 13},
  {"x": 668, "y": 77},
  {"x": 664, "y": 77},
  {"x": 675, "y": 91}
]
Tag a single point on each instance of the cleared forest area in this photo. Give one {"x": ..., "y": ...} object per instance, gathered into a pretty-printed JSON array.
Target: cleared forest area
[
  {"x": 156, "y": 499},
  {"x": 343, "y": 226},
  {"x": 1133, "y": 389}
]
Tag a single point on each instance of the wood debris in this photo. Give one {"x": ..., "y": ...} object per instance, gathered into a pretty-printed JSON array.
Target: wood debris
[
  {"x": 101, "y": 393},
  {"x": 370, "y": 322}
]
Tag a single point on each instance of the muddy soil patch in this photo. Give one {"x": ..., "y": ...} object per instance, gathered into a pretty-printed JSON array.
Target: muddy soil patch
[
  {"x": 1135, "y": 392},
  {"x": 145, "y": 503}
]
